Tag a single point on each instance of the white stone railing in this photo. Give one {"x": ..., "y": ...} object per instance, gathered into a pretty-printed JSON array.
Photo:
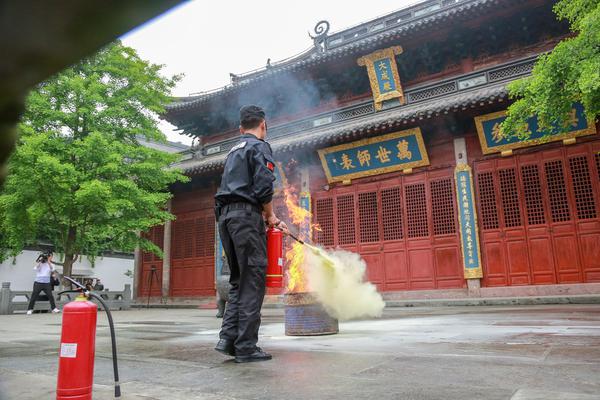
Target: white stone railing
[{"x": 17, "y": 300}]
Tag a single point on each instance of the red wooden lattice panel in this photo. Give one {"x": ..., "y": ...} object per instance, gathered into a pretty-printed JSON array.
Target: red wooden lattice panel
[
  {"x": 192, "y": 255},
  {"x": 147, "y": 255},
  {"x": 177, "y": 239},
  {"x": 324, "y": 218},
  {"x": 367, "y": 216},
  {"x": 209, "y": 241},
  {"x": 582, "y": 187},
  {"x": 559, "y": 204},
  {"x": 393, "y": 234},
  {"x": 487, "y": 201},
  {"x": 532, "y": 189},
  {"x": 188, "y": 238},
  {"x": 557, "y": 190},
  {"x": 151, "y": 261},
  {"x": 205, "y": 236},
  {"x": 159, "y": 236},
  {"x": 199, "y": 236},
  {"x": 510, "y": 197},
  {"x": 156, "y": 236},
  {"x": 416, "y": 210},
  {"x": 597, "y": 156},
  {"x": 391, "y": 213},
  {"x": 443, "y": 208},
  {"x": 346, "y": 221}
]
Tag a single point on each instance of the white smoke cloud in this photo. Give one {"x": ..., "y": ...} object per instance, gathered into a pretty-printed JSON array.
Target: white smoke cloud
[{"x": 337, "y": 280}]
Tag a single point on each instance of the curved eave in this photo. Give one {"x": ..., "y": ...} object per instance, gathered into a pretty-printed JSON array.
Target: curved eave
[
  {"x": 314, "y": 58},
  {"x": 353, "y": 129}
]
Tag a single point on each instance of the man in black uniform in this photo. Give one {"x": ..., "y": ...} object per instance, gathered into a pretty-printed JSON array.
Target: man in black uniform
[{"x": 243, "y": 204}]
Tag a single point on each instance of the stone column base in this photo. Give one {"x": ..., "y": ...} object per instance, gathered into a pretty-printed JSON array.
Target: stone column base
[{"x": 474, "y": 287}]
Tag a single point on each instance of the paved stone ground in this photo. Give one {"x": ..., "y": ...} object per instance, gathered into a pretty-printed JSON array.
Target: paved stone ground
[{"x": 519, "y": 353}]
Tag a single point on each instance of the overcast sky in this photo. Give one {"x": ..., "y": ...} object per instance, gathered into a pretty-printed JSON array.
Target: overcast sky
[{"x": 206, "y": 40}]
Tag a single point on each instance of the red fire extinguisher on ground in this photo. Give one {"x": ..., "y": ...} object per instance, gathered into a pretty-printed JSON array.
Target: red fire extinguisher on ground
[
  {"x": 274, "y": 258},
  {"x": 77, "y": 346}
]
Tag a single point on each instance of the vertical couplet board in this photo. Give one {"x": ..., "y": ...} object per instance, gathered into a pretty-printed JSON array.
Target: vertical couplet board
[{"x": 467, "y": 218}]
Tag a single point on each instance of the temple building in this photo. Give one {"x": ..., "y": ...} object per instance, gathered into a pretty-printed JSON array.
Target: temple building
[{"x": 389, "y": 132}]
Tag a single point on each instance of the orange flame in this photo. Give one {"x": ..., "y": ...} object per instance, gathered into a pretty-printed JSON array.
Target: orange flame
[
  {"x": 296, "y": 278},
  {"x": 299, "y": 215},
  {"x": 295, "y": 256}
]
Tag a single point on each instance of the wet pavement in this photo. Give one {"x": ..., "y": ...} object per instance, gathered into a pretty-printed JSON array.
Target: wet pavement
[{"x": 519, "y": 353}]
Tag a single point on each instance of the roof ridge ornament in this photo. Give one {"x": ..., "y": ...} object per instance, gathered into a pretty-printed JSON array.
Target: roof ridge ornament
[{"x": 320, "y": 37}]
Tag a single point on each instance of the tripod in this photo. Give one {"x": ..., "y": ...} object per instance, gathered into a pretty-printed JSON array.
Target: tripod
[{"x": 151, "y": 276}]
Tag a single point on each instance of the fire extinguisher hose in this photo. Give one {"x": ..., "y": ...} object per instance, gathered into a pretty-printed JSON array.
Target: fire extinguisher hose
[
  {"x": 290, "y": 234},
  {"x": 113, "y": 341},
  {"x": 327, "y": 261},
  {"x": 88, "y": 294}
]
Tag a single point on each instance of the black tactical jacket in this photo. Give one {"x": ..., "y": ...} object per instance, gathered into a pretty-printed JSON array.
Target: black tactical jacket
[{"x": 249, "y": 173}]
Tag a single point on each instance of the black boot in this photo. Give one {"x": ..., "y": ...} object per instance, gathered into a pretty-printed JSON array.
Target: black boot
[
  {"x": 225, "y": 347},
  {"x": 258, "y": 355}
]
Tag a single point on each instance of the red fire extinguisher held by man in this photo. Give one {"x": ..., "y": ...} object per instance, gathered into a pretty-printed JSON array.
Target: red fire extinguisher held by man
[
  {"x": 274, "y": 258},
  {"x": 77, "y": 346}
]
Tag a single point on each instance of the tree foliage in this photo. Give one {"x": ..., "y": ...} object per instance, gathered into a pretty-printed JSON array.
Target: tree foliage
[
  {"x": 78, "y": 177},
  {"x": 569, "y": 73}
]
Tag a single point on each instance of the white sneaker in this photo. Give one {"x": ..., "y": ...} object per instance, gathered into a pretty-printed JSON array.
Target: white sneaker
[
  {"x": 56, "y": 310},
  {"x": 29, "y": 312}
]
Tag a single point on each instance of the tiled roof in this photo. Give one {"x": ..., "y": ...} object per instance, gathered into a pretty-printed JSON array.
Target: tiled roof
[{"x": 358, "y": 127}]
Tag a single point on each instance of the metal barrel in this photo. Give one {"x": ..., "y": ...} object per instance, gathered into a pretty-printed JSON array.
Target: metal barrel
[{"x": 304, "y": 316}]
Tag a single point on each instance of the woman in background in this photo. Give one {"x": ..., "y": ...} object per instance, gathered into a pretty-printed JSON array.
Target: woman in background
[{"x": 43, "y": 276}]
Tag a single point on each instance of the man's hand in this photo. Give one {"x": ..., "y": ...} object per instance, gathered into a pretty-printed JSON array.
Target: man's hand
[
  {"x": 275, "y": 222},
  {"x": 272, "y": 220},
  {"x": 283, "y": 227}
]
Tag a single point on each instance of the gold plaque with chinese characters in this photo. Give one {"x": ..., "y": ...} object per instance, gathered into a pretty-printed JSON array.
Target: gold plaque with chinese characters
[
  {"x": 383, "y": 75},
  {"x": 378, "y": 155},
  {"x": 494, "y": 140}
]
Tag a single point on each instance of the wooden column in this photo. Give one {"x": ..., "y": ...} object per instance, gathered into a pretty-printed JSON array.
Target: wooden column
[
  {"x": 137, "y": 271},
  {"x": 166, "y": 270},
  {"x": 460, "y": 154}
]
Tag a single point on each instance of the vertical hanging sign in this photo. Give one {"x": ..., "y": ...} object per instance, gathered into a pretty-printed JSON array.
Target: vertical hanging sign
[
  {"x": 305, "y": 231},
  {"x": 467, "y": 218},
  {"x": 383, "y": 75}
]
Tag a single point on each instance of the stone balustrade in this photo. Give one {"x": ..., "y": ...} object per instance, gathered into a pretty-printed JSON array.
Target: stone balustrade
[{"x": 17, "y": 300}]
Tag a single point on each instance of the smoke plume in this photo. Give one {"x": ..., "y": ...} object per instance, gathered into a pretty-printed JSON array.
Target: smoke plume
[{"x": 337, "y": 279}]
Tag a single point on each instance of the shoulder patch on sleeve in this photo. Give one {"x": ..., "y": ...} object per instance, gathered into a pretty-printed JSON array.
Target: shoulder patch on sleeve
[
  {"x": 238, "y": 146},
  {"x": 270, "y": 166}
]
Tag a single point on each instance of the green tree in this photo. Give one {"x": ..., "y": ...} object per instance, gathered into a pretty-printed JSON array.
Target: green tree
[
  {"x": 78, "y": 177},
  {"x": 569, "y": 73}
]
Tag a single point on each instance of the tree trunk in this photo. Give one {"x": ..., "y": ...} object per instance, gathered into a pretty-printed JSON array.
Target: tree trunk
[
  {"x": 68, "y": 265},
  {"x": 69, "y": 256}
]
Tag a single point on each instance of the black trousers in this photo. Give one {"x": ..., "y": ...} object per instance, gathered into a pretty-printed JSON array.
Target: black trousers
[
  {"x": 245, "y": 244},
  {"x": 37, "y": 288}
]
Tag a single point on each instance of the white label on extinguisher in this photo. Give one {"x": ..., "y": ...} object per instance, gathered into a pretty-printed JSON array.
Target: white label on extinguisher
[
  {"x": 280, "y": 262},
  {"x": 68, "y": 350}
]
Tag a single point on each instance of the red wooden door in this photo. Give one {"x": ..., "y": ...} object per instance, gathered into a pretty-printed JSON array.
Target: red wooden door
[
  {"x": 192, "y": 254},
  {"x": 151, "y": 271},
  {"x": 369, "y": 235},
  {"x": 447, "y": 259},
  {"x": 584, "y": 174},
  {"x": 394, "y": 258},
  {"x": 405, "y": 228},
  {"x": 539, "y": 217},
  {"x": 504, "y": 240}
]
